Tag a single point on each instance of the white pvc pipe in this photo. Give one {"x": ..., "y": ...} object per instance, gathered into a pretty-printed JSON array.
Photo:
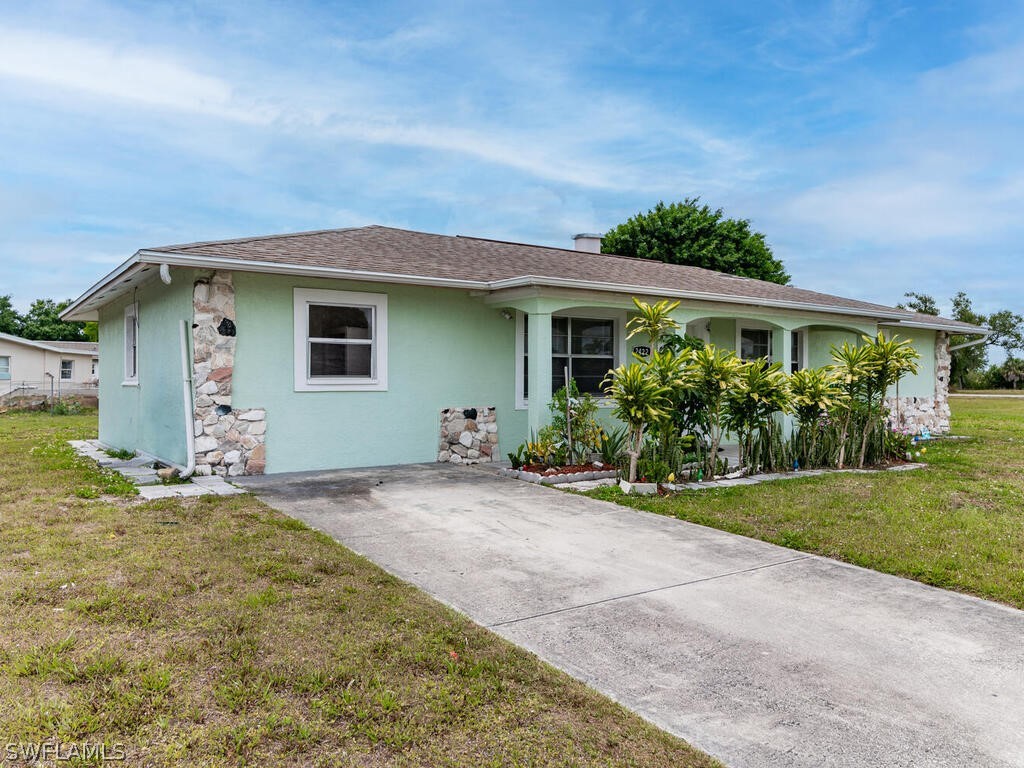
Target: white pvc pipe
[
  {"x": 165, "y": 274},
  {"x": 186, "y": 384}
]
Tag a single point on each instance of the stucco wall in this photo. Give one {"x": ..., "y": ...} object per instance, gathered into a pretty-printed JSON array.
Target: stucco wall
[
  {"x": 923, "y": 383},
  {"x": 445, "y": 349},
  {"x": 148, "y": 417}
]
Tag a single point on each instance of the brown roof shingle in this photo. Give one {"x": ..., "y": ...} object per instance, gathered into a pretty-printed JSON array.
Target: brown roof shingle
[{"x": 381, "y": 249}]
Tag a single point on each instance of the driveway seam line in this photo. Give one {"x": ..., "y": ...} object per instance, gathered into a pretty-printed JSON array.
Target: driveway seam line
[{"x": 645, "y": 592}]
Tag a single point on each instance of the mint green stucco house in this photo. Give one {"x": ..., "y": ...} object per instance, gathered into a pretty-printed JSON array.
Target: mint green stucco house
[{"x": 351, "y": 347}]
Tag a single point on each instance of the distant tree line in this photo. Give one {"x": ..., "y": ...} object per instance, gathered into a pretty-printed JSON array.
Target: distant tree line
[
  {"x": 970, "y": 368},
  {"x": 42, "y": 322}
]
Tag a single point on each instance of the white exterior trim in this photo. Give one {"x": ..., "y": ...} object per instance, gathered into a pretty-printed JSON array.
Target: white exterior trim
[
  {"x": 131, "y": 313},
  {"x": 378, "y": 380}
]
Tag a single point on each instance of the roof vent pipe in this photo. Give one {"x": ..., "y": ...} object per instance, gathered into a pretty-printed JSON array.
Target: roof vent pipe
[{"x": 588, "y": 242}]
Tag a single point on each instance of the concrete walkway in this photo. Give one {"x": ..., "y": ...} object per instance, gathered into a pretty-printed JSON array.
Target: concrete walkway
[{"x": 761, "y": 656}]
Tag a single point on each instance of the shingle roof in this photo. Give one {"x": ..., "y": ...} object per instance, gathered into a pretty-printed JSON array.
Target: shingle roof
[
  {"x": 386, "y": 254},
  {"x": 401, "y": 252}
]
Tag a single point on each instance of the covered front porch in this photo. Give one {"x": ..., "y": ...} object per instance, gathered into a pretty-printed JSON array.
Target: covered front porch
[{"x": 585, "y": 335}]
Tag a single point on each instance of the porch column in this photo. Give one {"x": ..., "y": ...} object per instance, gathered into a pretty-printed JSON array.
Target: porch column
[
  {"x": 538, "y": 350},
  {"x": 785, "y": 350}
]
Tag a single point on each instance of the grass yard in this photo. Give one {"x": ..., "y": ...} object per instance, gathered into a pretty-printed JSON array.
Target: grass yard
[
  {"x": 958, "y": 524},
  {"x": 215, "y": 631}
]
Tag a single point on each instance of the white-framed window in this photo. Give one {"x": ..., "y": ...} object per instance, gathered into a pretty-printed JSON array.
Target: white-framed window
[
  {"x": 5, "y": 367},
  {"x": 588, "y": 344},
  {"x": 131, "y": 344},
  {"x": 67, "y": 369},
  {"x": 754, "y": 342},
  {"x": 341, "y": 341},
  {"x": 798, "y": 356}
]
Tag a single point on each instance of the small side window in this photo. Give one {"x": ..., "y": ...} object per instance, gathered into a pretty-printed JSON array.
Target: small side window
[
  {"x": 131, "y": 344},
  {"x": 67, "y": 369},
  {"x": 5, "y": 368}
]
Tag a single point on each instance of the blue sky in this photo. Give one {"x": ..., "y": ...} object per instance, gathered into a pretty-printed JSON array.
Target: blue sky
[{"x": 877, "y": 145}]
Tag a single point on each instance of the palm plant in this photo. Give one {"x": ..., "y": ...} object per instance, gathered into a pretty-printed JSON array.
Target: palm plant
[
  {"x": 760, "y": 391},
  {"x": 814, "y": 391},
  {"x": 654, "y": 321},
  {"x": 852, "y": 365},
  {"x": 891, "y": 360},
  {"x": 640, "y": 399},
  {"x": 669, "y": 369},
  {"x": 709, "y": 375}
]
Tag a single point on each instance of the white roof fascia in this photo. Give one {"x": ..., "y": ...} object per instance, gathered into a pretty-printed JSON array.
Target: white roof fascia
[
  {"x": 281, "y": 268},
  {"x": 103, "y": 282}
]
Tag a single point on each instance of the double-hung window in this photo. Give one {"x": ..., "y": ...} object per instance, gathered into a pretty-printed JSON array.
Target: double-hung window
[
  {"x": 586, "y": 346},
  {"x": 131, "y": 344},
  {"x": 5, "y": 368},
  {"x": 340, "y": 340},
  {"x": 67, "y": 369}
]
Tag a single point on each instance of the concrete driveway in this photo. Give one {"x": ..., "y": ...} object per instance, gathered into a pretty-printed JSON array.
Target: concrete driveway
[{"x": 759, "y": 655}]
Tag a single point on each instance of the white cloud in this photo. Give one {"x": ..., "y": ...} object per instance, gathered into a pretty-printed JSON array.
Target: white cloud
[
  {"x": 569, "y": 136},
  {"x": 119, "y": 73}
]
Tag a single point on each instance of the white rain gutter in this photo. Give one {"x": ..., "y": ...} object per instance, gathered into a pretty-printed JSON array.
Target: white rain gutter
[
  {"x": 186, "y": 386},
  {"x": 974, "y": 343}
]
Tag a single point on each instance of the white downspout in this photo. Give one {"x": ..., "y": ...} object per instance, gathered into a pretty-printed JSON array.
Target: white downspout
[{"x": 186, "y": 385}]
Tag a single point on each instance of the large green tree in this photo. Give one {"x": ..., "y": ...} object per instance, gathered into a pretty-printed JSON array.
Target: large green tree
[
  {"x": 693, "y": 234},
  {"x": 10, "y": 320},
  {"x": 919, "y": 302},
  {"x": 42, "y": 322}
]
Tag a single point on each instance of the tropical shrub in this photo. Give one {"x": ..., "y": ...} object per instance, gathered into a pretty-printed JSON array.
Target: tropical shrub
[
  {"x": 759, "y": 393},
  {"x": 573, "y": 424},
  {"x": 710, "y": 375},
  {"x": 640, "y": 399},
  {"x": 611, "y": 445},
  {"x": 654, "y": 321},
  {"x": 814, "y": 393},
  {"x": 852, "y": 365}
]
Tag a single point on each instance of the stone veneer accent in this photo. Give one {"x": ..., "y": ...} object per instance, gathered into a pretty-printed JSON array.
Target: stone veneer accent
[
  {"x": 931, "y": 413},
  {"x": 468, "y": 435},
  {"x": 227, "y": 441}
]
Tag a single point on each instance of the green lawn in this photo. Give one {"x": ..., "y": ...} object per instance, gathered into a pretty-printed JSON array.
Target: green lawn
[
  {"x": 216, "y": 631},
  {"x": 958, "y": 524}
]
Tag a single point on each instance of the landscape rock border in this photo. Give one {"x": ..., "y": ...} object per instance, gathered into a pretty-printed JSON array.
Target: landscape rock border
[{"x": 574, "y": 477}]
